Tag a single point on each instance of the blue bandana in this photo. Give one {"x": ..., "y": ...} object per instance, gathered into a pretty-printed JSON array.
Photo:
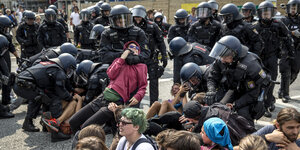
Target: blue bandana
[{"x": 212, "y": 128}]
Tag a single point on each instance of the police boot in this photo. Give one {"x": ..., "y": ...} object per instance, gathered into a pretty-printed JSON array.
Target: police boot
[
  {"x": 279, "y": 93},
  {"x": 268, "y": 113},
  {"x": 59, "y": 136},
  {"x": 6, "y": 114},
  {"x": 29, "y": 126},
  {"x": 285, "y": 88},
  {"x": 272, "y": 107}
]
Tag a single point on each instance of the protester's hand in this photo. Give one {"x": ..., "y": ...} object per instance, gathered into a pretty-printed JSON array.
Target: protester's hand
[
  {"x": 184, "y": 88},
  {"x": 290, "y": 146},
  {"x": 277, "y": 137},
  {"x": 79, "y": 90},
  {"x": 229, "y": 105},
  {"x": 210, "y": 98},
  {"x": 125, "y": 54},
  {"x": 112, "y": 107},
  {"x": 182, "y": 119},
  {"x": 133, "y": 101},
  {"x": 296, "y": 33}
]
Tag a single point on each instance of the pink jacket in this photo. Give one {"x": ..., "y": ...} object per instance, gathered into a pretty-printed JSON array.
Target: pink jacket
[{"x": 124, "y": 79}]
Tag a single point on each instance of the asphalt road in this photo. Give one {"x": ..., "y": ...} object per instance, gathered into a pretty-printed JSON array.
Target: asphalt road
[{"x": 12, "y": 137}]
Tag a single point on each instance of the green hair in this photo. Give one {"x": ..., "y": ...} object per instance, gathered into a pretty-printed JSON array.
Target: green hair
[{"x": 137, "y": 116}]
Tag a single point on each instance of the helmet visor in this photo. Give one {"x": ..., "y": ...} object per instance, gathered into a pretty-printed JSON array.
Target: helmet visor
[
  {"x": 266, "y": 13},
  {"x": 214, "y": 6},
  {"x": 121, "y": 21},
  {"x": 84, "y": 17},
  {"x": 293, "y": 9},
  {"x": 51, "y": 17},
  {"x": 93, "y": 35},
  {"x": 219, "y": 50},
  {"x": 138, "y": 13},
  {"x": 226, "y": 18},
  {"x": 70, "y": 72},
  {"x": 203, "y": 12},
  {"x": 246, "y": 12}
]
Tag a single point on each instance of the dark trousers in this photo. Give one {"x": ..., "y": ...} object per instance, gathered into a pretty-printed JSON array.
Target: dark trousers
[
  {"x": 153, "y": 78},
  {"x": 271, "y": 63},
  {"x": 285, "y": 71},
  {"x": 6, "y": 89},
  {"x": 295, "y": 67}
]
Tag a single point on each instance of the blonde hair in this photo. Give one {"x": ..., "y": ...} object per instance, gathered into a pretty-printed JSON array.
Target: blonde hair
[{"x": 253, "y": 142}]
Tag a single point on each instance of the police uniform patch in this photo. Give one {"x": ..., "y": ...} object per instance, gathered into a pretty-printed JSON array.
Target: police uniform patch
[
  {"x": 262, "y": 73},
  {"x": 251, "y": 84}
]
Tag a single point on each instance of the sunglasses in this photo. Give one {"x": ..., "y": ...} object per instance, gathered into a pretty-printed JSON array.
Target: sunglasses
[
  {"x": 136, "y": 47},
  {"x": 124, "y": 123}
]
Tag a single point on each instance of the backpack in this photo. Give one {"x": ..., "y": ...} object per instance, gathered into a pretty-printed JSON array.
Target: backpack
[{"x": 143, "y": 140}]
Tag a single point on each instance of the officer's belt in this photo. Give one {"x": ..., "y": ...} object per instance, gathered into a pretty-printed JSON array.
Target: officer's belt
[{"x": 25, "y": 82}]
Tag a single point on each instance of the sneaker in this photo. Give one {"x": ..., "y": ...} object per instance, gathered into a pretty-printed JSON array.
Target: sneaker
[{"x": 53, "y": 124}]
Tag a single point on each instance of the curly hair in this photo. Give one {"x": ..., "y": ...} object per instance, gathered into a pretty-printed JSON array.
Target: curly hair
[
  {"x": 137, "y": 116},
  {"x": 251, "y": 142}
]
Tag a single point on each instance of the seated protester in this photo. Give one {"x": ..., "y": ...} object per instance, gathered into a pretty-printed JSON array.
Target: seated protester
[
  {"x": 163, "y": 136},
  {"x": 48, "y": 54},
  {"x": 95, "y": 35},
  {"x": 252, "y": 142},
  {"x": 158, "y": 108},
  {"x": 196, "y": 114},
  {"x": 185, "y": 52},
  {"x": 91, "y": 143},
  {"x": 215, "y": 135},
  {"x": 127, "y": 87},
  {"x": 240, "y": 71},
  {"x": 131, "y": 126},
  {"x": 45, "y": 84},
  {"x": 88, "y": 75},
  {"x": 284, "y": 134},
  {"x": 182, "y": 140},
  {"x": 91, "y": 130}
]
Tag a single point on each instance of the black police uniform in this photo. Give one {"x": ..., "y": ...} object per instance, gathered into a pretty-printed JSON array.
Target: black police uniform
[
  {"x": 102, "y": 20},
  {"x": 27, "y": 38},
  {"x": 82, "y": 35},
  {"x": 245, "y": 33},
  {"x": 64, "y": 24},
  {"x": 112, "y": 41},
  {"x": 245, "y": 79},
  {"x": 204, "y": 34},
  {"x": 277, "y": 43},
  {"x": 50, "y": 35},
  {"x": 177, "y": 30}
]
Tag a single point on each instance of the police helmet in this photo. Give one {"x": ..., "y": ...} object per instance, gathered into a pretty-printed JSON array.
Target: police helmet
[
  {"x": 120, "y": 17},
  {"x": 96, "y": 32},
  {"x": 29, "y": 15},
  {"x": 179, "y": 46},
  {"x": 85, "y": 15},
  {"x": 190, "y": 70},
  {"x": 158, "y": 15},
  {"x": 68, "y": 48},
  {"x": 266, "y": 11},
  {"x": 5, "y": 23},
  {"x": 84, "y": 69},
  {"x": 3, "y": 44},
  {"x": 181, "y": 14},
  {"x": 230, "y": 13},
  {"x": 139, "y": 11},
  {"x": 50, "y": 16},
  {"x": 94, "y": 9},
  {"x": 203, "y": 10},
  {"x": 105, "y": 6},
  {"x": 249, "y": 6},
  {"x": 228, "y": 46},
  {"x": 54, "y": 8},
  {"x": 99, "y": 4},
  {"x": 214, "y": 5},
  {"x": 293, "y": 6},
  {"x": 67, "y": 62}
]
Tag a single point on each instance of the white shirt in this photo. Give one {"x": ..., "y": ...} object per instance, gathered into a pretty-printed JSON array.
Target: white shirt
[
  {"x": 75, "y": 18},
  {"x": 142, "y": 146}
]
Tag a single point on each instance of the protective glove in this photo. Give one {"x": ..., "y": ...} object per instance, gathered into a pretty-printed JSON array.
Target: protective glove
[
  {"x": 19, "y": 61},
  {"x": 210, "y": 98},
  {"x": 296, "y": 33},
  {"x": 164, "y": 60}
]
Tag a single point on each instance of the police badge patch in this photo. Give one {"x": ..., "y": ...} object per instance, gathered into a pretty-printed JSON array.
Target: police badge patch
[
  {"x": 262, "y": 73},
  {"x": 251, "y": 84}
]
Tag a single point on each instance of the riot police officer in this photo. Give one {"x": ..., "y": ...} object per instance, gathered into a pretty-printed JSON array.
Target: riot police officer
[
  {"x": 48, "y": 54},
  {"x": 44, "y": 84},
  {"x": 156, "y": 45},
  {"x": 122, "y": 30},
  {"x": 61, "y": 21},
  {"x": 249, "y": 11},
  {"x": 164, "y": 27},
  {"x": 206, "y": 30},
  {"x": 181, "y": 26},
  {"x": 242, "y": 72},
  {"x": 27, "y": 36},
  {"x": 4, "y": 77},
  {"x": 83, "y": 30},
  {"x": 88, "y": 75},
  {"x": 215, "y": 8},
  {"x": 95, "y": 35},
  {"x": 184, "y": 52},
  {"x": 51, "y": 33},
  {"x": 277, "y": 43},
  {"x": 234, "y": 25},
  {"x": 103, "y": 19},
  {"x": 292, "y": 21},
  {"x": 5, "y": 24},
  {"x": 95, "y": 13}
]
